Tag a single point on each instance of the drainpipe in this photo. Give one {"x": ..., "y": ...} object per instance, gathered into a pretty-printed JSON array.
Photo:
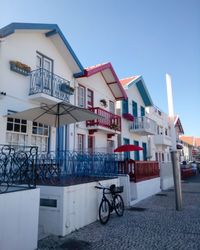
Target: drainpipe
[{"x": 75, "y": 103}]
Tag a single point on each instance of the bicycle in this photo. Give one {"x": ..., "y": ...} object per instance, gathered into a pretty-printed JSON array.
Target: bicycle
[{"x": 107, "y": 206}]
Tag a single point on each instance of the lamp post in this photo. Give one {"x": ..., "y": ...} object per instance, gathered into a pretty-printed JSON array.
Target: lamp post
[{"x": 174, "y": 152}]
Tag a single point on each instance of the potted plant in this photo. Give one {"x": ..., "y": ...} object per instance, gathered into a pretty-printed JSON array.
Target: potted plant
[
  {"x": 103, "y": 102},
  {"x": 67, "y": 89},
  {"x": 20, "y": 68},
  {"x": 114, "y": 126}
]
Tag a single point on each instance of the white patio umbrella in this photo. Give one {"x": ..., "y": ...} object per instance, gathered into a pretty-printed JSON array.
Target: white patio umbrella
[{"x": 56, "y": 115}]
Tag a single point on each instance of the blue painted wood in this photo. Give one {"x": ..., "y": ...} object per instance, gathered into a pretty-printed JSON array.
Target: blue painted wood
[
  {"x": 144, "y": 145},
  {"x": 136, "y": 153}
]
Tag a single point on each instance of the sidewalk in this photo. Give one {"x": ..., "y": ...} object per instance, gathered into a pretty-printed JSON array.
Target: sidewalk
[{"x": 151, "y": 224}]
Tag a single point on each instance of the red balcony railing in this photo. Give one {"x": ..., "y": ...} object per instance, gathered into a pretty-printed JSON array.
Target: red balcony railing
[
  {"x": 109, "y": 120},
  {"x": 139, "y": 170}
]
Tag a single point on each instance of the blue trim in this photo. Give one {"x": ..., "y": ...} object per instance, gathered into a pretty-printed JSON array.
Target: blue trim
[
  {"x": 77, "y": 75},
  {"x": 139, "y": 82},
  {"x": 53, "y": 29}
]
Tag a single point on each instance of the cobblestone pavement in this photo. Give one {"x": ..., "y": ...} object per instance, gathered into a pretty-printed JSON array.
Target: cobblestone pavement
[{"x": 158, "y": 226}]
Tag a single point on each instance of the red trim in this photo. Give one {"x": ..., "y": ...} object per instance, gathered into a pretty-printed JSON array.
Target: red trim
[
  {"x": 94, "y": 70},
  {"x": 92, "y": 131},
  {"x": 109, "y": 136}
]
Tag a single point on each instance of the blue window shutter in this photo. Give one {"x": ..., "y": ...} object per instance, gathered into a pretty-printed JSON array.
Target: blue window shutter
[
  {"x": 125, "y": 106},
  {"x": 142, "y": 111},
  {"x": 134, "y": 109},
  {"x": 126, "y": 154},
  {"x": 144, "y": 145},
  {"x": 136, "y": 153}
]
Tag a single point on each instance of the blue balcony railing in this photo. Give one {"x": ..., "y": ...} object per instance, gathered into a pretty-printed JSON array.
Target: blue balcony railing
[
  {"x": 44, "y": 81},
  {"x": 54, "y": 167}
]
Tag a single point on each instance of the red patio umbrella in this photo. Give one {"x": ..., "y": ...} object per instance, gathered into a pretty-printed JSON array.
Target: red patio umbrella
[{"x": 128, "y": 148}]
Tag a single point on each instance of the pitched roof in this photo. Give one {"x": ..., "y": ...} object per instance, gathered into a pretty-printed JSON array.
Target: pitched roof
[
  {"x": 128, "y": 80},
  {"x": 50, "y": 30},
  {"x": 188, "y": 139},
  {"x": 197, "y": 142},
  {"x": 110, "y": 77},
  {"x": 177, "y": 123},
  {"x": 141, "y": 86}
]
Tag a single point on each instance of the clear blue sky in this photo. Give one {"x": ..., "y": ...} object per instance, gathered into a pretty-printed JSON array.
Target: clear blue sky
[{"x": 145, "y": 37}]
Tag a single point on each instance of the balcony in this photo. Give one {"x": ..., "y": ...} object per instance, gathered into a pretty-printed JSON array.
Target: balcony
[
  {"x": 110, "y": 122},
  {"x": 143, "y": 126},
  {"x": 48, "y": 87},
  {"x": 163, "y": 140}
]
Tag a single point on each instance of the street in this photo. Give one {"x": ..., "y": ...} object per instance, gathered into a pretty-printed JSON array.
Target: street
[{"x": 151, "y": 224}]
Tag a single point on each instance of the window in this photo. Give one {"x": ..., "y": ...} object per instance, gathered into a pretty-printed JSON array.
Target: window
[
  {"x": 158, "y": 130},
  {"x": 81, "y": 96},
  {"x": 110, "y": 146},
  {"x": 90, "y": 98},
  {"x": 111, "y": 107},
  {"x": 156, "y": 156},
  {"x": 40, "y": 134},
  {"x": 166, "y": 131},
  {"x": 163, "y": 157},
  {"x": 16, "y": 130},
  {"x": 80, "y": 142},
  {"x": 45, "y": 64},
  {"x": 125, "y": 106},
  {"x": 40, "y": 129},
  {"x": 142, "y": 109},
  {"x": 91, "y": 144},
  {"x": 16, "y": 125}
]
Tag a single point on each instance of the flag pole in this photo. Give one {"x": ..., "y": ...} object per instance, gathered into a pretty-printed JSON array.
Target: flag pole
[{"x": 174, "y": 152}]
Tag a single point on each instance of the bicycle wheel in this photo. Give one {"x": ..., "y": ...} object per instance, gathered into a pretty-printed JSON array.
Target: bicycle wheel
[
  {"x": 118, "y": 205},
  {"x": 104, "y": 211}
]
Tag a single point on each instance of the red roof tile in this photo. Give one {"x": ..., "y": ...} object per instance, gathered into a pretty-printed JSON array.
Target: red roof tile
[
  {"x": 128, "y": 80},
  {"x": 188, "y": 139}
]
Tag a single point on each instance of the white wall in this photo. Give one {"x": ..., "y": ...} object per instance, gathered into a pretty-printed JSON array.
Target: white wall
[
  {"x": 101, "y": 91},
  {"x": 22, "y": 46},
  {"x": 145, "y": 189},
  {"x": 19, "y": 213},
  {"x": 77, "y": 206},
  {"x": 133, "y": 95}
]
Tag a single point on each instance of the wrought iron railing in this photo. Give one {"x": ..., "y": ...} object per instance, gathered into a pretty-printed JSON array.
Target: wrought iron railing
[
  {"x": 44, "y": 81},
  {"x": 17, "y": 167},
  {"x": 109, "y": 120},
  {"x": 54, "y": 167}
]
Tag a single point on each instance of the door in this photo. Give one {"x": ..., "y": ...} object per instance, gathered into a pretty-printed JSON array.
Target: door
[
  {"x": 126, "y": 154},
  {"x": 44, "y": 65},
  {"x": 91, "y": 144},
  {"x": 144, "y": 145},
  {"x": 136, "y": 153}
]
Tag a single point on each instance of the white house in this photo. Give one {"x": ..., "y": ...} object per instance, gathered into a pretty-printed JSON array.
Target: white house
[
  {"x": 161, "y": 142},
  {"x": 37, "y": 66},
  {"x": 98, "y": 90},
  {"x": 138, "y": 130}
]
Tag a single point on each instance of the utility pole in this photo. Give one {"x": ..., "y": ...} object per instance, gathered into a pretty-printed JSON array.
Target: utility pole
[{"x": 174, "y": 152}]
